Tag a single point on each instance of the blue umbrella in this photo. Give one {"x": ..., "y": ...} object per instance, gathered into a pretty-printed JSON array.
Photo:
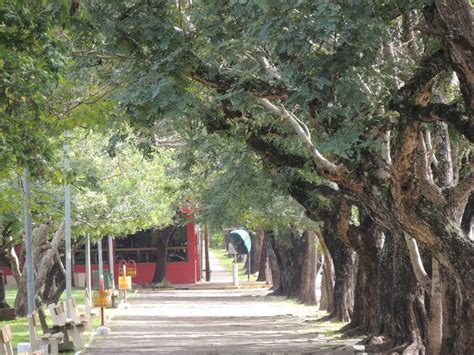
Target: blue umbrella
[{"x": 241, "y": 241}]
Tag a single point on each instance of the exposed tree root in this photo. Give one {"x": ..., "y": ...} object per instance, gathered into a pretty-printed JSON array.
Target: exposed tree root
[
  {"x": 379, "y": 344},
  {"x": 350, "y": 331}
]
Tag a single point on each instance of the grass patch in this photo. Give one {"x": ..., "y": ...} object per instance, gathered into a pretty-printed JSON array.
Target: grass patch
[
  {"x": 227, "y": 261},
  {"x": 20, "y": 325}
]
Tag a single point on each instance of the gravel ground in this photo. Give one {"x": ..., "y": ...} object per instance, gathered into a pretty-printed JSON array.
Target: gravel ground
[{"x": 217, "y": 322}]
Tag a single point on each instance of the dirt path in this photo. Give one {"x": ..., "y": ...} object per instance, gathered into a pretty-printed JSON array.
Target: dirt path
[{"x": 217, "y": 322}]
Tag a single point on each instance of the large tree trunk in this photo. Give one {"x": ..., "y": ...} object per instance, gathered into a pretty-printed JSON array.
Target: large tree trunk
[
  {"x": 327, "y": 281},
  {"x": 307, "y": 294},
  {"x": 292, "y": 260},
  {"x": 43, "y": 261},
  {"x": 162, "y": 238},
  {"x": 272, "y": 261},
  {"x": 55, "y": 284},
  {"x": 3, "y": 301},
  {"x": 433, "y": 218},
  {"x": 344, "y": 262},
  {"x": 14, "y": 264},
  {"x": 289, "y": 264},
  {"x": 403, "y": 319},
  {"x": 262, "y": 266},
  {"x": 365, "y": 317},
  {"x": 256, "y": 251}
]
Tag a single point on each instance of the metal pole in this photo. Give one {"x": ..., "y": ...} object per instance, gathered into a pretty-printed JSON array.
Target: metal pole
[
  {"x": 111, "y": 267},
  {"x": 88, "y": 267},
  {"x": 67, "y": 230},
  {"x": 111, "y": 260},
  {"x": 101, "y": 263},
  {"x": 206, "y": 251},
  {"x": 30, "y": 277},
  {"x": 201, "y": 253}
]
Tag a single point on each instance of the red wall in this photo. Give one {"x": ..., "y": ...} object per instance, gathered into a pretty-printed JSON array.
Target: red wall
[{"x": 177, "y": 272}]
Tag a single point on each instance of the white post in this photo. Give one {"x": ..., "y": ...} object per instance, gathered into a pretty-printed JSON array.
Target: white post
[
  {"x": 88, "y": 267},
  {"x": 67, "y": 230},
  {"x": 111, "y": 261},
  {"x": 201, "y": 252},
  {"x": 30, "y": 277},
  {"x": 235, "y": 273},
  {"x": 102, "y": 330},
  {"x": 101, "y": 263}
]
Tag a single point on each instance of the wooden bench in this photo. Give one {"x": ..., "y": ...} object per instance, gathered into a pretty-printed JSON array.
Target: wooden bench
[
  {"x": 89, "y": 310},
  {"x": 52, "y": 340},
  {"x": 6, "y": 341},
  {"x": 77, "y": 317},
  {"x": 74, "y": 329}
]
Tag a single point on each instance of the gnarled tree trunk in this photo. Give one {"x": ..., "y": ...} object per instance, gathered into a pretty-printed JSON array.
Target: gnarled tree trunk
[
  {"x": 307, "y": 294},
  {"x": 297, "y": 266},
  {"x": 162, "y": 252},
  {"x": 262, "y": 266},
  {"x": 403, "y": 319},
  {"x": 289, "y": 258},
  {"x": 344, "y": 262},
  {"x": 327, "y": 280},
  {"x": 256, "y": 252},
  {"x": 43, "y": 260}
]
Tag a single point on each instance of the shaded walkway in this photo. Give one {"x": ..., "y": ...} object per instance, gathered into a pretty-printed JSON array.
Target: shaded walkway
[
  {"x": 216, "y": 322},
  {"x": 218, "y": 273}
]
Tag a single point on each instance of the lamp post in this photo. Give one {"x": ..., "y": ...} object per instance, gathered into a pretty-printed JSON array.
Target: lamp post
[
  {"x": 30, "y": 277},
  {"x": 67, "y": 223},
  {"x": 88, "y": 267}
]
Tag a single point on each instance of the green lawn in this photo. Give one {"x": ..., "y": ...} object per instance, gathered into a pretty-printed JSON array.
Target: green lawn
[
  {"x": 227, "y": 261},
  {"x": 20, "y": 325}
]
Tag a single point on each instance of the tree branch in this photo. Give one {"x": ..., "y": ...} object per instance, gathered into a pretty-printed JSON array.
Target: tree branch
[
  {"x": 461, "y": 192},
  {"x": 453, "y": 20},
  {"x": 211, "y": 77},
  {"x": 428, "y": 187},
  {"x": 321, "y": 162},
  {"x": 443, "y": 112},
  {"x": 418, "y": 88},
  {"x": 417, "y": 264}
]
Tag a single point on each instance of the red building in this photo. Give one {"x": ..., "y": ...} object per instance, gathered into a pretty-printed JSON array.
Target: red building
[{"x": 182, "y": 267}]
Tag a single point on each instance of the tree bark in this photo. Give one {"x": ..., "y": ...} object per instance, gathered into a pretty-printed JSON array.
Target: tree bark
[
  {"x": 292, "y": 259},
  {"x": 435, "y": 322},
  {"x": 262, "y": 265},
  {"x": 3, "y": 301},
  {"x": 452, "y": 20},
  {"x": 55, "y": 284},
  {"x": 14, "y": 264},
  {"x": 257, "y": 243},
  {"x": 327, "y": 281},
  {"x": 162, "y": 252},
  {"x": 307, "y": 294},
  {"x": 403, "y": 319},
  {"x": 43, "y": 260},
  {"x": 344, "y": 263},
  {"x": 289, "y": 264},
  {"x": 367, "y": 242},
  {"x": 272, "y": 260}
]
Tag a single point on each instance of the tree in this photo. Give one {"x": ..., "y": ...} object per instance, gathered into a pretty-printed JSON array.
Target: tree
[{"x": 327, "y": 82}]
